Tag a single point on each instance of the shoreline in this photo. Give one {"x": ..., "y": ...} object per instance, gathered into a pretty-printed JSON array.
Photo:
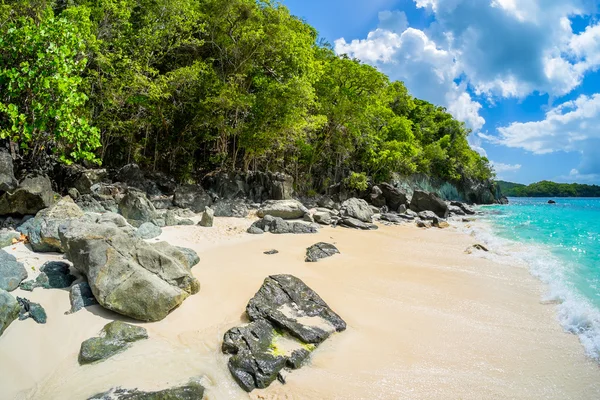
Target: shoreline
[{"x": 425, "y": 320}]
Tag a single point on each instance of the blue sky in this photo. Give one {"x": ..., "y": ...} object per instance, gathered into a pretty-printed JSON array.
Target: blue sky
[{"x": 523, "y": 74}]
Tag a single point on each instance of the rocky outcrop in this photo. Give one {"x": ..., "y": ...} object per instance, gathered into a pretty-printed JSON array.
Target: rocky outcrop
[
  {"x": 288, "y": 321},
  {"x": 32, "y": 195},
  {"x": 193, "y": 197},
  {"x": 280, "y": 226},
  {"x": 255, "y": 186},
  {"x": 190, "y": 391},
  {"x": 81, "y": 296},
  {"x": 127, "y": 275},
  {"x": 9, "y": 310},
  {"x": 53, "y": 275},
  {"x": 114, "y": 338},
  {"x": 136, "y": 208},
  {"x": 358, "y": 209},
  {"x": 319, "y": 251},
  {"x": 423, "y": 201},
  {"x": 88, "y": 178},
  {"x": 286, "y": 209},
  {"x": 230, "y": 208},
  {"x": 394, "y": 198},
  {"x": 31, "y": 310},
  {"x": 12, "y": 273},
  {"x": 8, "y": 182}
]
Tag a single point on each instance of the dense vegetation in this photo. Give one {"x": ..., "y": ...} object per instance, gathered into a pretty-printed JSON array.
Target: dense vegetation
[
  {"x": 549, "y": 189},
  {"x": 188, "y": 86}
]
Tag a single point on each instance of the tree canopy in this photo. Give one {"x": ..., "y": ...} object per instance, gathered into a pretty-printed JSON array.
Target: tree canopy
[
  {"x": 189, "y": 86},
  {"x": 549, "y": 189}
]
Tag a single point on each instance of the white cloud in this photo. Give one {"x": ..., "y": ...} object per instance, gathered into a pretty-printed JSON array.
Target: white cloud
[
  {"x": 393, "y": 21},
  {"x": 501, "y": 167}
]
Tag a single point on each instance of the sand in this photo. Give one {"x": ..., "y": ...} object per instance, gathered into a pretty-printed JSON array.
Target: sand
[{"x": 425, "y": 321}]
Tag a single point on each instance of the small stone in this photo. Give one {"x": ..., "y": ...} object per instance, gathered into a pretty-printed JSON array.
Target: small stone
[
  {"x": 114, "y": 338},
  {"x": 320, "y": 250},
  {"x": 271, "y": 252}
]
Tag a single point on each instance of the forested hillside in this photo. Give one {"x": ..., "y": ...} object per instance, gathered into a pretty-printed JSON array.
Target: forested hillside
[
  {"x": 189, "y": 86},
  {"x": 549, "y": 189}
]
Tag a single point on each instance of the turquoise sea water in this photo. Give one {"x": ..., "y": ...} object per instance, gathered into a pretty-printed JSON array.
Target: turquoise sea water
[{"x": 560, "y": 243}]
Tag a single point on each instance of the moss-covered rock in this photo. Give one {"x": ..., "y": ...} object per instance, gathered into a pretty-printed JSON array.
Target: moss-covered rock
[
  {"x": 31, "y": 310},
  {"x": 190, "y": 391},
  {"x": 9, "y": 310},
  {"x": 114, "y": 338}
]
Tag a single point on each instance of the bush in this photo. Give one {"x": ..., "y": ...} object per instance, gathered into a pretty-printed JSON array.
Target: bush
[{"x": 357, "y": 181}]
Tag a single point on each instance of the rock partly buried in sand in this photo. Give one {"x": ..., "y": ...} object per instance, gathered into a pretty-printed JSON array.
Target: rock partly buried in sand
[
  {"x": 286, "y": 209},
  {"x": 114, "y": 338},
  {"x": 278, "y": 225},
  {"x": 424, "y": 201},
  {"x": 53, "y": 275},
  {"x": 288, "y": 321},
  {"x": 31, "y": 310},
  {"x": 9, "y": 310},
  {"x": 356, "y": 224},
  {"x": 259, "y": 353},
  {"x": 477, "y": 246},
  {"x": 148, "y": 231},
  {"x": 12, "y": 272},
  {"x": 393, "y": 218},
  {"x": 320, "y": 250},
  {"x": 190, "y": 391},
  {"x": 127, "y": 275},
  {"x": 271, "y": 252},
  {"x": 32, "y": 195},
  {"x": 81, "y": 296},
  {"x": 208, "y": 217},
  {"x": 357, "y": 209}
]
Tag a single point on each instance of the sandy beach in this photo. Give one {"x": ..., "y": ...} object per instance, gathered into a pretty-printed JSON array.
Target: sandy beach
[{"x": 425, "y": 321}]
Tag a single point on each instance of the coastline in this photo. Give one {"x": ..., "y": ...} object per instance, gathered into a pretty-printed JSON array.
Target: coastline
[{"x": 425, "y": 320}]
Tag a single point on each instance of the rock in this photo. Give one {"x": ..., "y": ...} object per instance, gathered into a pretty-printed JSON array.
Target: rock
[
  {"x": 424, "y": 224},
  {"x": 148, "y": 231},
  {"x": 376, "y": 197},
  {"x": 9, "y": 310},
  {"x": 326, "y": 202},
  {"x": 53, "y": 275},
  {"x": 114, "y": 338},
  {"x": 31, "y": 310},
  {"x": 73, "y": 193},
  {"x": 7, "y": 238},
  {"x": 551, "y": 202},
  {"x": 127, "y": 275},
  {"x": 230, "y": 208},
  {"x": 208, "y": 218},
  {"x": 260, "y": 352},
  {"x": 290, "y": 305},
  {"x": 257, "y": 186},
  {"x": 81, "y": 296},
  {"x": 136, "y": 207},
  {"x": 428, "y": 216},
  {"x": 402, "y": 209},
  {"x": 394, "y": 218},
  {"x": 286, "y": 209},
  {"x": 464, "y": 207},
  {"x": 277, "y": 225},
  {"x": 162, "y": 203},
  {"x": 187, "y": 257},
  {"x": 89, "y": 178},
  {"x": 42, "y": 231},
  {"x": 454, "y": 210},
  {"x": 271, "y": 252},
  {"x": 12, "y": 273},
  {"x": 8, "y": 182},
  {"x": 442, "y": 224},
  {"x": 192, "y": 197},
  {"x": 320, "y": 250},
  {"x": 423, "y": 201},
  {"x": 114, "y": 219},
  {"x": 32, "y": 195},
  {"x": 503, "y": 200},
  {"x": 89, "y": 204},
  {"x": 323, "y": 218},
  {"x": 191, "y": 391},
  {"x": 358, "y": 209},
  {"x": 476, "y": 247},
  {"x": 172, "y": 218},
  {"x": 255, "y": 230},
  {"x": 394, "y": 198},
  {"x": 356, "y": 224}
]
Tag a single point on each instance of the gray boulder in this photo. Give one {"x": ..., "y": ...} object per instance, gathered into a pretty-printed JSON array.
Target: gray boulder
[
  {"x": 8, "y": 182},
  {"x": 9, "y": 310},
  {"x": 286, "y": 209},
  {"x": 53, "y": 275},
  {"x": 323, "y": 218},
  {"x": 208, "y": 218},
  {"x": 114, "y": 338},
  {"x": 81, "y": 296},
  {"x": 468, "y": 210},
  {"x": 32, "y": 195},
  {"x": 136, "y": 208},
  {"x": 356, "y": 224},
  {"x": 190, "y": 391},
  {"x": 319, "y": 251},
  {"x": 393, "y": 218},
  {"x": 454, "y": 210},
  {"x": 357, "y": 208},
  {"x": 12, "y": 273},
  {"x": 193, "y": 197},
  {"x": 428, "y": 216},
  {"x": 89, "y": 178},
  {"x": 7, "y": 237},
  {"x": 376, "y": 197},
  {"x": 278, "y": 225},
  {"x": 113, "y": 219},
  {"x": 230, "y": 208},
  {"x": 394, "y": 198},
  {"x": 127, "y": 275},
  {"x": 424, "y": 201},
  {"x": 31, "y": 310},
  {"x": 148, "y": 231}
]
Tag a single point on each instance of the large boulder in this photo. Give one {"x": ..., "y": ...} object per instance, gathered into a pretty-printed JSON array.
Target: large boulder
[
  {"x": 193, "y": 197},
  {"x": 394, "y": 198},
  {"x": 88, "y": 178},
  {"x": 114, "y": 338},
  {"x": 9, "y": 310},
  {"x": 8, "y": 181},
  {"x": 190, "y": 391},
  {"x": 136, "y": 208},
  {"x": 230, "y": 208},
  {"x": 278, "y": 225},
  {"x": 468, "y": 210},
  {"x": 81, "y": 296},
  {"x": 12, "y": 272},
  {"x": 286, "y": 209},
  {"x": 32, "y": 195},
  {"x": 357, "y": 208},
  {"x": 256, "y": 186},
  {"x": 424, "y": 201},
  {"x": 126, "y": 274},
  {"x": 320, "y": 250}
]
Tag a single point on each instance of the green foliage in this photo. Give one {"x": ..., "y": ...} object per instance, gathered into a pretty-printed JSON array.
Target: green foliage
[
  {"x": 549, "y": 189},
  {"x": 41, "y": 104},
  {"x": 357, "y": 181}
]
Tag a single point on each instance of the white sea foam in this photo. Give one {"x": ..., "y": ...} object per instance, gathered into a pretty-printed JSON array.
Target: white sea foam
[{"x": 575, "y": 313}]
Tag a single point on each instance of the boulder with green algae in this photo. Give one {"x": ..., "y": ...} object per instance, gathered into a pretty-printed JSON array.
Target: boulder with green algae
[
  {"x": 53, "y": 275},
  {"x": 9, "y": 310},
  {"x": 12, "y": 272},
  {"x": 114, "y": 338},
  {"x": 128, "y": 275},
  {"x": 193, "y": 390},
  {"x": 31, "y": 310},
  {"x": 32, "y": 195}
]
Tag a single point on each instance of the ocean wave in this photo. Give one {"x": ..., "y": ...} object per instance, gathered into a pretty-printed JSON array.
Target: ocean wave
[{"x": 576, "y": 313}]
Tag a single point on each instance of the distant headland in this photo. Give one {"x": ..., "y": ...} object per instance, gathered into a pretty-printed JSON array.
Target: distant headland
[{"x": 548, "y": 189}]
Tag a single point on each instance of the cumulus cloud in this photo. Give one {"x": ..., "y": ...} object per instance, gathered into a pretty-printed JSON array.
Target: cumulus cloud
[{"x": 501, "y": 167}]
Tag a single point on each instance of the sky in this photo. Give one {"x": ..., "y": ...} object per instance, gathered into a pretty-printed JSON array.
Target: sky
[{"x": 524, "y": 75}]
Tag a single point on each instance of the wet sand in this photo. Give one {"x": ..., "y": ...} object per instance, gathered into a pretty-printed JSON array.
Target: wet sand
[{"x": 425, "y": 321}]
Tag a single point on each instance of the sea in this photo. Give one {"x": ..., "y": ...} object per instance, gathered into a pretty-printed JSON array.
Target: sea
[{"x": 560, "y": 244}]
